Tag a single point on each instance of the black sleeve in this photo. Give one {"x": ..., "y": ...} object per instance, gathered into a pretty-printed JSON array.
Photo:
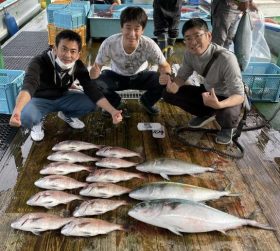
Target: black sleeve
[
  {"x": 31, "y": 80},
  {"x": 90, "y": 88}
]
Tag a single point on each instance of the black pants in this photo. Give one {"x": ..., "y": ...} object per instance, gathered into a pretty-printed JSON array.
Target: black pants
[
  {"x": 189, "y": 99},
  {"x": 109, "y": 82},
  {"x": 166, "y": 16}
]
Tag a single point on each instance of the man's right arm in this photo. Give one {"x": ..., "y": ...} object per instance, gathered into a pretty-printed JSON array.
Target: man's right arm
[{"x": 22, "y": 99}]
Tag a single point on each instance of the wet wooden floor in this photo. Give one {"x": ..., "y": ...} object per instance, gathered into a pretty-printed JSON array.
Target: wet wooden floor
[{"x": 256, "y": 177}]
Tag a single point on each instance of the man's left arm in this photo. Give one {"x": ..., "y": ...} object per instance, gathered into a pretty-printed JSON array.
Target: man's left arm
[{"x": 210, "y": 99}]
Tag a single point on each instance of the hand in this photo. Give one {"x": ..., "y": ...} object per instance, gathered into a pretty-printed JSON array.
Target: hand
[
  {"x": 210, "y": 99},
  {"x": 117, "y": 116},
  {"x": 164, "y": 79},
  {"x": 172, "y": 87},
  {"x": 15, "y": 119},
  {"x": 94, "y": 71}
]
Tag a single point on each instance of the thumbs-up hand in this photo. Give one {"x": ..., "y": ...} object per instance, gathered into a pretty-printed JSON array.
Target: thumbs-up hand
[
  {"x": 210, "y": 99},
  {"x": 94, "y": 71}
]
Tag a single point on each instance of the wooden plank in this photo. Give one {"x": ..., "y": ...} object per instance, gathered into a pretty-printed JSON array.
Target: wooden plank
[{"x": 251, "y": 179}]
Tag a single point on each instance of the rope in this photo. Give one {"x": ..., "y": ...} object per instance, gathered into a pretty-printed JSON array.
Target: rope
[{"x": 240, "y": 155}]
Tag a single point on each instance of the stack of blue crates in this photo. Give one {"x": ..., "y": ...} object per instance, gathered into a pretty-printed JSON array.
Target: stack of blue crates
[
  {"x": 68, "y": 16},
  {"x": 10, "y": 85}
]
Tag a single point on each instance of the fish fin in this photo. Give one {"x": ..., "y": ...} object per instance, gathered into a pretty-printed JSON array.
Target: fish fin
[
  {"x": 228, "y": 187},
  {"x": 165, "y": 176},
  {"x": 175, "y": 231},
  {"x": 222, "y": 231},
  {"x": 36, "y": 232}
]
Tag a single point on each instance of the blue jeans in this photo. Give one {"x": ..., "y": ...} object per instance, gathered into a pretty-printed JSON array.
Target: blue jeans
[{"x": 72, "y": 104}]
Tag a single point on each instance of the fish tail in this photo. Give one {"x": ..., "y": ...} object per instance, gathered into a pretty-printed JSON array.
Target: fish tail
[
  {"x": 125, "y": 227},
  {"x": 259, "y": 225},
  {"x": 141, "y": 176},
  {"x": 80, "y": 198},
  {"x": 91, "y": 169},
  {"x": 230, "y": 194},
  {"x": 124, "y": 202}
]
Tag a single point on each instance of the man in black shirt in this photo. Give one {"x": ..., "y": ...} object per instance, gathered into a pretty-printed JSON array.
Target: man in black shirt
[{"x": 46, "y": 88}]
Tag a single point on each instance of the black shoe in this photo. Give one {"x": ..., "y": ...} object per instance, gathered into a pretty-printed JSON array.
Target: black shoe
[
  {"x": 153, "y": 110},
  {"x": 224, "y": 137},
  {"x": 198, "y": 122}
]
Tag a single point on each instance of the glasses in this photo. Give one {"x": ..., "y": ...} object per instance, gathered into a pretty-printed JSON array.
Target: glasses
[{"x": 197, "y": 37}]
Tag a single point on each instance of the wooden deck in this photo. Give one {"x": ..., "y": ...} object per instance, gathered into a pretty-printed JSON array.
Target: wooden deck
[{"x": 256, "y": 176}]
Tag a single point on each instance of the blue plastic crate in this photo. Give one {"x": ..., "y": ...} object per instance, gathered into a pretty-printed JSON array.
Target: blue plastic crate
[
  {"x": 69, "y": 19},
  {"x": 81, "y": 4},
  {"x": 10, "y": 85},
  {"x": 51, "y": 9},
  {"x": 264, "y": 81}
]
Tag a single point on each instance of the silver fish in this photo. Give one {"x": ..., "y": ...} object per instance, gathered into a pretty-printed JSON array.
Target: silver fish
[
  {"x": 89, "y": 227},
  {"x": 97, "y": 206},
  {"x": 71, "y": 156},
  {"x": 49, "y": 198},
  {"x": 172, "y": 190},
  {"x": 39, "y": 222},
  {"x": 58, "y": 182},
  {"x": 74, "y": 145},
  {"x": 116, "y": 152},
  {"x": 188, "y": 217},
  {"x": 63, "y": 168},
  {"x": 111, "y": 175},
  {"x": 103, "y": 190},
  {"x": 243, "y": 41},
  {"x": 165, "y": 167},
  {"x": 111, "y": 162}
]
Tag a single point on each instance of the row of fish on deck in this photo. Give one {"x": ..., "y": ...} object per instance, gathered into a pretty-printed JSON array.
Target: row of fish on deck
[{"x": 174, "y": 206}]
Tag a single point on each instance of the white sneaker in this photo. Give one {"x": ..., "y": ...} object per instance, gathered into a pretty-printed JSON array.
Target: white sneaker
[
  {"x": 37, "y": 132},
  {"x": 73, "y": 122}
]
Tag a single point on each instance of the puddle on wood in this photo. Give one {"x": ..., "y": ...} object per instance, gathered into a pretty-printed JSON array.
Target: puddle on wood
[
  {"x": 267, "y": 142},
  {"x": 13, "y": 160}
]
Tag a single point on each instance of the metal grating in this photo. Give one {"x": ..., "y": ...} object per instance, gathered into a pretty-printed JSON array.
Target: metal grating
[
  {"x": 20, "y": 50},
  {"x": 7, "y": 133},
  {"x": 27, "y": 43},
  {"x": 17, "y": 63}
]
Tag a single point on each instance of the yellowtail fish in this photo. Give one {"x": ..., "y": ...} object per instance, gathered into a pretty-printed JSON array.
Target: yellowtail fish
[
  {"x": 188, "y": 217},
  {"x": 172, "y": 190},
  {"x": 166, "y": 166}
]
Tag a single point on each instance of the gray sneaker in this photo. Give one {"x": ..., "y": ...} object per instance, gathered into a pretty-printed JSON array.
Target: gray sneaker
[
  {"x": 224, "y": 137},
  {"x": 198, "y": 122}
]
